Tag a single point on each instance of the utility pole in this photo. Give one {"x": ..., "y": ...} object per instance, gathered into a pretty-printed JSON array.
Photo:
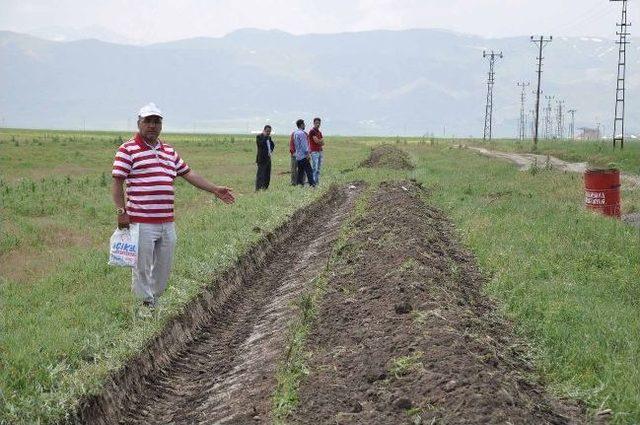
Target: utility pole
[
  {"x": 488, "y": 115},
  {"x": 548, "y": 127},
  {"x": 560, "y": 120},
  {"x": 541, "y": 42},
  {"x": 523, "y": 117},
  {"x": 572, "y": 126},
  {"x": 618, "y": 122}
]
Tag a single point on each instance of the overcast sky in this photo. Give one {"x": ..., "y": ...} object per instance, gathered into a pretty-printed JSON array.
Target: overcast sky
[{"x": 149, "y": 21}]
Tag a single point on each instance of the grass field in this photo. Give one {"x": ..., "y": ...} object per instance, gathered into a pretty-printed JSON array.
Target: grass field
[
  {"x": 567, "y": 278},
  {"x": 68, "y": 318}
]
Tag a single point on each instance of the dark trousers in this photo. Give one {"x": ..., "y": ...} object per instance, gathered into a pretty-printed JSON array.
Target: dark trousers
[
  {"x": 294, "y": 171},
  {"x": 304, "y": 167},
  {"x": 263, "y": 175}
]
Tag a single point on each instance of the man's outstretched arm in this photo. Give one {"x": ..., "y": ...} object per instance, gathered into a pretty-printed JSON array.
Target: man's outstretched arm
[{"x": 224, "y": 193}]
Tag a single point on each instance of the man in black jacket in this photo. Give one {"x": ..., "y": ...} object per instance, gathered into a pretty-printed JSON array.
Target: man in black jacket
[{"x": 263, "y": 158}]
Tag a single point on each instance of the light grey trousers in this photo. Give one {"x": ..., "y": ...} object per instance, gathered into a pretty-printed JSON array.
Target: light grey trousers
[{"x": 156, "y": 243}]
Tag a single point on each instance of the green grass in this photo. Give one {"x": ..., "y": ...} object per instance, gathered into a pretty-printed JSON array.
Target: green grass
[
  {"x": 567, "y": 278},
  {"x": 67, "y": 325},
  {"x": 293, "y": 367},
  {"x": 405, "y": 365}
]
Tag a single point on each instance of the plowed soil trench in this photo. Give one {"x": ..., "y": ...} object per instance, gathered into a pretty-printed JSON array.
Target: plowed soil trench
[
  {"x": 226, "y": 374},
  {"x": 405, "y": 336}
]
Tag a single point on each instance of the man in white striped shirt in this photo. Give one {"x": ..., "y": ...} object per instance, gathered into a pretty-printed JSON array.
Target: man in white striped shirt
[{"x": 148, "y": 167}]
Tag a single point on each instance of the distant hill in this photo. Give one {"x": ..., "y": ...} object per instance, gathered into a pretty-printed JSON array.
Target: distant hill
[
  {"x": 59, "y": 33},
  {"x": 375, "y": 82}
]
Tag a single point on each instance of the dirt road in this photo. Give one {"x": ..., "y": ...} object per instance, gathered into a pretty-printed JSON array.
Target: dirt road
[{"x": 525, "y": 161}]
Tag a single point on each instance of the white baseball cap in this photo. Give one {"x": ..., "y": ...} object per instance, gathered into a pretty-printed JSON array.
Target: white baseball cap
[{"x": 148, "y": 110}]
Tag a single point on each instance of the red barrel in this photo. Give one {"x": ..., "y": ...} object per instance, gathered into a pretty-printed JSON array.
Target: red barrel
[{"x": 602, "y": 191}]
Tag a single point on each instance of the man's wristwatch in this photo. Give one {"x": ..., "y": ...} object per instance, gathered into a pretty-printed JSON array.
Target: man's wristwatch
[{"x": 120, "y": 211}]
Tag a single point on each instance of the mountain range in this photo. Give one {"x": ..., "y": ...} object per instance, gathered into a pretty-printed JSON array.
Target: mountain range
[{"x": 411, "y": 82}]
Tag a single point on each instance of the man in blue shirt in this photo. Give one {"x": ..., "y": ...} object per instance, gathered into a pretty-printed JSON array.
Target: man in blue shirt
[{"x": 303, "y": 154}]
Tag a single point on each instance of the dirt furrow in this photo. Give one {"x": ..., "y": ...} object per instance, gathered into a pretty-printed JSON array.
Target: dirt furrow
[
  {"x": 404, "y": 334},
  {"x": 226, "y": 372}
]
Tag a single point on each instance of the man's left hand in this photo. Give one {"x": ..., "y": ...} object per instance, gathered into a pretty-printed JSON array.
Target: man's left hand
[{"x": 225, "y": 194}]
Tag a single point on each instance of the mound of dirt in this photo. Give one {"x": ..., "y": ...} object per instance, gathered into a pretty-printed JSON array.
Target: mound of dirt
[
  {"x": 388, "y": 156},
  {"x": 404, "y": 334}
]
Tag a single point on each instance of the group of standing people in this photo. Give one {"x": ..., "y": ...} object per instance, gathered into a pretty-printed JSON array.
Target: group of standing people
[{"x": 306, "y": 155}]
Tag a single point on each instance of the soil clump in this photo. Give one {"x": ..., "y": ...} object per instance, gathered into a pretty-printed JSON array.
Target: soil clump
[{"x": 388, "y": 156}]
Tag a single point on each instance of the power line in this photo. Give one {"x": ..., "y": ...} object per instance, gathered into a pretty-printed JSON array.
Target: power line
[
  {"x": 522, "y": 127},
  {"x": 583, "y": 20},
  {"x": 541, "y": 42},
  {"x": 488, "y": 115},
  {"x": 618, "y": 121},
  {"x": 580, "y": 20}
]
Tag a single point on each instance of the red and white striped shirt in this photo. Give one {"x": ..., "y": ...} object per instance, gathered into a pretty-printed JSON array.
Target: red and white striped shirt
[{"x": 149, "y": 174}]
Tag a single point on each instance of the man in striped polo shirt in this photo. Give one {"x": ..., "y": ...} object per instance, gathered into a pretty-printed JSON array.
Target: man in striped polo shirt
[{"x": 148, "y": 167}]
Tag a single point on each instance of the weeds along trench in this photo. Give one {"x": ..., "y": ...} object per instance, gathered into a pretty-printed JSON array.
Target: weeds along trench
[{"x": 216, "y": 362}]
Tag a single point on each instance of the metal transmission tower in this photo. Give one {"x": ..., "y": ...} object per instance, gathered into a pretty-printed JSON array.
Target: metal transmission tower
[
  {"x": 523, "y": 117},
  {"x": 618, "y": 122},
  {"x": 560, "y": 120},
  {"x": 542, "y": 41},
  {"x": 488, "y": 115},
  {"x": 533, "y": 122},
  {"x": 548, "y": 126},
  {"x": 572, "y": 125}
]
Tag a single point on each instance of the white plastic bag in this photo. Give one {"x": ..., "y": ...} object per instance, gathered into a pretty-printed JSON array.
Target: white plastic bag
[{"x": 124, "y": 247}]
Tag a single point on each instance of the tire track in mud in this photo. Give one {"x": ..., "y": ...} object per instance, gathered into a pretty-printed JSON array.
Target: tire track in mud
[
  {"x": 404, "y": 334},
  {"x": 226, "y": 372}
]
